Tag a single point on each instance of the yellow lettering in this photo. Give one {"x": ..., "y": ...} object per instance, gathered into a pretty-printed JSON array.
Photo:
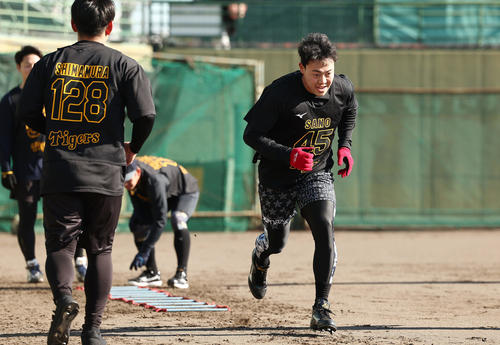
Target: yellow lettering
[
  {"x": 72, "y": 139},
  {"x": 63, "y": 68},
  {"x": 65, "y": 139},
  {"x": 318, "y": 123},
  {"x": 32, "y": 134},
  {"x": 37, "y": 146},
  {"x": 82, "y": 71},
  {"x": 80, "y": 139},
  {"x": 54, "y": 138},
  {"x": 59, "y": 138},
  {"x": 157, "y": 162},
  {"x": 74, "y": 69}
]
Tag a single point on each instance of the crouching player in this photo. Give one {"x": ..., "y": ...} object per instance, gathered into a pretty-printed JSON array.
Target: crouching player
[{"x": 158, "y": 185}]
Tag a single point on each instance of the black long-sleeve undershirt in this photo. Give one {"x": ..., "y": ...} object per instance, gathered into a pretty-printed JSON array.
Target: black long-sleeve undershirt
[
  {"x": 140, "y": 131},
  {"x": 266, "y": 146}
]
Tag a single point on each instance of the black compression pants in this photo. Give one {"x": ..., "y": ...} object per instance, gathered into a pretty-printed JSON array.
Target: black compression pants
[
  {"x": 182, "y": 244},
  {"x": 26, "y": 228},
  {"x": 181, "y": 207},
  {"x": 27, "y": 195},
  {"x": 319, "y": 215}
]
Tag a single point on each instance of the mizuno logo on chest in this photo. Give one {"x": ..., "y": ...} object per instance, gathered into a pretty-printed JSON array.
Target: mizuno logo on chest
[{"x": 322, "y": 122}]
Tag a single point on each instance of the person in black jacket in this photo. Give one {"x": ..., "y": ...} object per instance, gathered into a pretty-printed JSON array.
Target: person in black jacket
[
  {"x": 292, "y": 127},
  {"x": 21, "y": 154},
  {"x": 156, "y": 186},
  {"x": 85, "y": 88}
]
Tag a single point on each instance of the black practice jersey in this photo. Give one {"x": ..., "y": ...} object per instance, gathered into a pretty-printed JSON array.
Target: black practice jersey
[
  {"x": 287, "y": 116},
  {"x": 19, "y": 142},
  {"x": 161, "y": 179},
  {"x": 85, "y": 89}
]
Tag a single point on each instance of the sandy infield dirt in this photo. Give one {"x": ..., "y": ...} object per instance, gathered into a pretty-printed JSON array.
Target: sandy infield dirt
[{"x": 391, "y": 287}]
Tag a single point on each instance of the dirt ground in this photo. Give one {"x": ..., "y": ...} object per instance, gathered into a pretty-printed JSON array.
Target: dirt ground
[{"x": 394, "y": 287}]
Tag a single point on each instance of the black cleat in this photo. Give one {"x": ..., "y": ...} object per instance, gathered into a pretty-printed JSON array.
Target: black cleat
[
  {"x": 321, "y": 320},
  {"x": 92, "y": 337},
  {"x": 257, "y": 278},
  {"x": 66, "y": 310}
]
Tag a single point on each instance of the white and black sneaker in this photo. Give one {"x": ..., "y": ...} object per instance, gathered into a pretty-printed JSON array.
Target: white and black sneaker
[
  {"x": 179, "y": 281},
  {"x": 81, "y": 264},
  {"x": 35, "y": 275},
  {"x": 146, "y": 279}
]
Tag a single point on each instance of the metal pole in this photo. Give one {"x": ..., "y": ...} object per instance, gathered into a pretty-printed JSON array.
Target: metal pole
[{"x": 25, "y": 17}]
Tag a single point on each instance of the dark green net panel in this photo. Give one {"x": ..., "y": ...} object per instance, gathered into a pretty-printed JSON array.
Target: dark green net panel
[{"x": 421, "y": 159}]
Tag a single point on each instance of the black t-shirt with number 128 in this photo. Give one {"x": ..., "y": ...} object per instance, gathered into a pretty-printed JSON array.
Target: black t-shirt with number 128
[{"x": 85, "y": 89}]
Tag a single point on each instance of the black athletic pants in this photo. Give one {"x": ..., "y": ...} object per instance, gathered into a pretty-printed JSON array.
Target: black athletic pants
[
  {"x": 91, "y": 219},
  {"x": 27, "y": 195}
]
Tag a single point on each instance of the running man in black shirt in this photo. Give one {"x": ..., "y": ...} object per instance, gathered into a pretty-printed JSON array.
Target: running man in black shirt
[
  {"x": 21, "y": 154},
  {"x": 292, "y": 127},
  {"x": 85, "y": 89},
  {"x": 157, "y": 185}
]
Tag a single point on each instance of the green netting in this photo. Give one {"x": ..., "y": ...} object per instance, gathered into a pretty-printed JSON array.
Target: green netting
[
  {"x": 278, "y": 21},
  {"x": 424, "y": 160},
  {"x": 368, "y": 22},
  {"x": 433, "y": 22},
  {"x": 420, "y": 159},
  {"x": 200, "y": 124}
]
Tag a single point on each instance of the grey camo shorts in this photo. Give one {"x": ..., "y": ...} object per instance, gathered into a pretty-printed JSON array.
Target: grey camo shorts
[{"x": 279, "y": 207}]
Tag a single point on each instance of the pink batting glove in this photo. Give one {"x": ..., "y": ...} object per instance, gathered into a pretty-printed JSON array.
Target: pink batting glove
[
  {"x": 300, "y": 159},
  {"x": 344, "y": 156}
]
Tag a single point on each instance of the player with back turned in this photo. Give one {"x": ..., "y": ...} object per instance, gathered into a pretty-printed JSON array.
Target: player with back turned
[
  {"x": 21, "y": 150},
  {"x": 85, "y": 88},
  {"x": 21, "y": 155},
  {"x": 292, "y": 128}
]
